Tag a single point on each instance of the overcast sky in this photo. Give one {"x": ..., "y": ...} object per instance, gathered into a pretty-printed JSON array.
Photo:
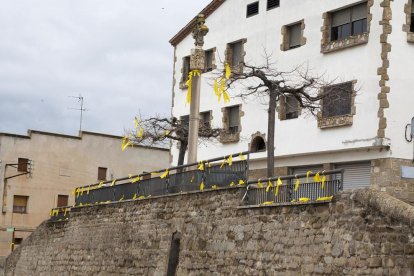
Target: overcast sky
[{"x": 115, "y": 53}]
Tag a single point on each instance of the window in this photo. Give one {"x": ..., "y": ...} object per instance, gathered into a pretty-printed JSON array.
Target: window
[
  {"x": 185, "y": 70},
  {"x": 18, "y": 241},
  {"x": 292, "y": 107},
  {"x": 349, "y": 22},
  {"x": 412, "y": 17},
  {"x": 271, "y": 4},
  {"x": 102, "y": 173},
  {"x": 208, "y": 62},
  {"x": 62, "y": 200},
  {"x": 252, "y": 9},
  {"x": 258, "y": 144},
  {"x": 22, "y": 164},
  {"x": 205, "y": 119},
  {"x": 235, "y": 53},
  {"x": 295, "y": 34},
  {"x": 20, "y": 204},
  {"x": 337, "y": 100},
  {"x": 234, "y": 119}
]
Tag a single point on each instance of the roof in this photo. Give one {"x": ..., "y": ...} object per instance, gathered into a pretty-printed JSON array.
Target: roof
[
  {"x": 81, "y": 134},
  {"x": 184, "y": 32}
]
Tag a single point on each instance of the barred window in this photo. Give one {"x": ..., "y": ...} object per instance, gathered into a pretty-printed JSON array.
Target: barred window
[
  {"x": 349, "y": 22},
  {"x": 337, "y": 100}
]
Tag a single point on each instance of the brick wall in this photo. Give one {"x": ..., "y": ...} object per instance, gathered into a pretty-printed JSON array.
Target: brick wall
[{"x": 360, "y": 232}]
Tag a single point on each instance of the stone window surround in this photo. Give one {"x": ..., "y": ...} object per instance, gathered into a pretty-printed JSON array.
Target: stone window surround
[
  {"x": 406, "y": 27},
  {"x": 285, "y": 35},
  {"x": 227, "y": 137},
  {"x": 228, "y": 54},
  {"x": 281, "y": 109},
  {"x": 183, "y": 79},
  {"x": 328, "y": 46},
  {"x": 254, "y": 136},
  {"x": 213, "y": 60},
  {"x": 342, "y": 120}
]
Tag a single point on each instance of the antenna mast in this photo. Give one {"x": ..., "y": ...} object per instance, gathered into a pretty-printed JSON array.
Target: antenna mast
[{"x": 81, "y": 109}]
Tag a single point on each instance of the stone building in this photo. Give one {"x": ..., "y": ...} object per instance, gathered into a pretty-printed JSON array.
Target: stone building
[
  {"x": 39, "y": 171},
  {"x": 366, "y": 47}
]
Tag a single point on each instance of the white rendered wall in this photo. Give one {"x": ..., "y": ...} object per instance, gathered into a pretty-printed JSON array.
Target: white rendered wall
[{"x": 263, "y": 31}]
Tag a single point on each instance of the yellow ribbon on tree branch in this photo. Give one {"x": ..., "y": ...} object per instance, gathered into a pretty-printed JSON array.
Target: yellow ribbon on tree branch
[{"x": 189, "y": 83}]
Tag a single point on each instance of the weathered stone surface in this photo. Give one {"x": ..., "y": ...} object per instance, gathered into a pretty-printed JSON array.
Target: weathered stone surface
[{"x": 364, "y": 232}]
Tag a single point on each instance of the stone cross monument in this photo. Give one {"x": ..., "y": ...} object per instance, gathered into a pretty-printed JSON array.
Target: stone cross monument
[{"x": 196, "y": 63}]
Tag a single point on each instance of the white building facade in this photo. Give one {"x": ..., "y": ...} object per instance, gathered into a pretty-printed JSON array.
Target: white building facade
[{"x": 366, "y": 46}]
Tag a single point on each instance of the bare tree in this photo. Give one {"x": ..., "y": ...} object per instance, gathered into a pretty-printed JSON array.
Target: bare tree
[
  {"x": 159, "y": 131},
  {"x": 267, "y": 81}
]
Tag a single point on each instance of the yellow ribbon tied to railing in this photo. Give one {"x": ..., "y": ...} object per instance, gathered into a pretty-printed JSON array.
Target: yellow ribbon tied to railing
[
  {"x": 232, "y": 184},
  {"x": 135, "y": 180},
  {"x": 189, "y": 83},
  {"x": 202, "y": 186},
  {"x": 304, "y": 199},
  {"x": 269, "y": 185},
  {"x": 201, "y": 166},
  {"x": 241, "y": 156},
  {"x": 297, "y": 184},
  {"x": 307, "y": 176},
  {"x": 241, "y": 182},
  {"x": 227, "y": 161},
  {"x": 260, "y": 184},
  {"x": 113, "y": 182},
  {"x": 326, "y": 198},
  {"x": 323, "y": 180},
  {"x": 317, "y": 177},
  {"x": 278, "y": 184},
  {"x": 100, "y": 184},
  {"x": 214, "y": 187},
  {"x": 165, "y": 174}
]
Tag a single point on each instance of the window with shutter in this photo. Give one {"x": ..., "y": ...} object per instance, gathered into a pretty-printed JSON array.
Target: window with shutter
[
  {"x": 20, "y": 204},
  {"x": 22, "y": 164},
  {"x": 236, "y": 56},
  {"x": 185, "y": 70},
  {"x": 294, "y": 33},
  {"x": 292, "y": 107},
  {"x": 233, "y": 113},
  {"x": 252, "y": 9},
  {"x": 62, "y": 200},
  {"x": 205, "y": 119},
  {"x": 102, "y": 173},
  {"x": 271, "y": 4}
]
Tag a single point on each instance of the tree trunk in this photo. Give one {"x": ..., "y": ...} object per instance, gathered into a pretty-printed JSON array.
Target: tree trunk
[
  {"x": 181, "y": 155},
  {"x": 271, "y": 134}
]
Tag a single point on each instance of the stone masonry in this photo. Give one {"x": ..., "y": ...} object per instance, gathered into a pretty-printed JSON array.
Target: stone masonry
[{"x": 364, "y": 232}]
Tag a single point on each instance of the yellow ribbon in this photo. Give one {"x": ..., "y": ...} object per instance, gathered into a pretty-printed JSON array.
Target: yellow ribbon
[
  {"x": 323, "y": 181},
  {"x": 113, "y": 182},
  {"x": 228, "y": 71},
  {"x": 141, "y": 197},
  {"x": 307, "y": 176},
  {"x": 232, "y": 184},
  {"x": 201, "y": 166},
  {"x": 189, "y": 83},
  {"x": 317, "y": 177},
  {"x": 202, "y": 186},
  {"x": 122, "y": 198},
  {"x": 125, "y": 143},
  {"x": 269, "y": 185},
  {"x": 260, "y": 184},
  {"x": 135, "y": 196},
  {"x": 140, "y": 132},
  {"x": 278, "y": 184},
  {"x": 136, "y": 122},
  {"x": 214, "y": 187},
  {"x": 297, "y": 184},
  {"x": 324, "y": 198},
  {"x": 241, "y": 156},
  {"x": 216, "y": 88},
  {"x": 267, "y": 203},
  {"x": 241, "y": 182},
  {"x": 87, "y": 191},
  {"x": 100, "y": 184},
  {"x": 230, "y": 160},
  {"x": 165, "y": 174},
  {"x": 304, "y": 199},
  {"x": 136, "y": 179}
]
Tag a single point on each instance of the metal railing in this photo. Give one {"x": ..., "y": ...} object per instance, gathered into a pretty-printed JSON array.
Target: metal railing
[
  {"x": 289, "y": 191},
  {"x": 186, "y": 178},
  {"x": 59, "y": 214}
]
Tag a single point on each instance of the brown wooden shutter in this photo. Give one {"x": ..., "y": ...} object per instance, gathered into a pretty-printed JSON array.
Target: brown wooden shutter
[
  {"x": 22, "y": 164},
  {"x": 102, "y": 173},
  {"x": 62, "y": 200}
]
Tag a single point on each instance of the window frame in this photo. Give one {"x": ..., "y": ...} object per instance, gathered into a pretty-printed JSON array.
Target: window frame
[
  {"x": 286, "y": 35},
  {"x": 203, "y": 115},
  {"x": 211, "y": 52},
  {"x": 350, "y": 22},
  {"x": 22, "y": 164},
  {"x": 233, "y": 128},
  {"x": 229, "y": 55},
  {"x": 185, "y": 70},
  {"x": 100, "y": 169},
  {"x": 335, "y": 89},
  {"x": 24, "y": 209}
]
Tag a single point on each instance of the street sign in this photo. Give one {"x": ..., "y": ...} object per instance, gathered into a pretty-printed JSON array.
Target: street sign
[{"x": 10, "y": 229}]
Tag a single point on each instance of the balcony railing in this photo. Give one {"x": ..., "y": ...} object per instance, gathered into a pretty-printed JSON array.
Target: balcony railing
[{"x": 319, "y": 187}]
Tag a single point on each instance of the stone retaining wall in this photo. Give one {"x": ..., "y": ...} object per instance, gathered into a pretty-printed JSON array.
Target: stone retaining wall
[{"x": 365, "y": 232}]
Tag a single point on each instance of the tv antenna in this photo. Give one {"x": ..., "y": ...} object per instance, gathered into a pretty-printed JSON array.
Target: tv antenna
[{"x": 81, "y": 109}]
